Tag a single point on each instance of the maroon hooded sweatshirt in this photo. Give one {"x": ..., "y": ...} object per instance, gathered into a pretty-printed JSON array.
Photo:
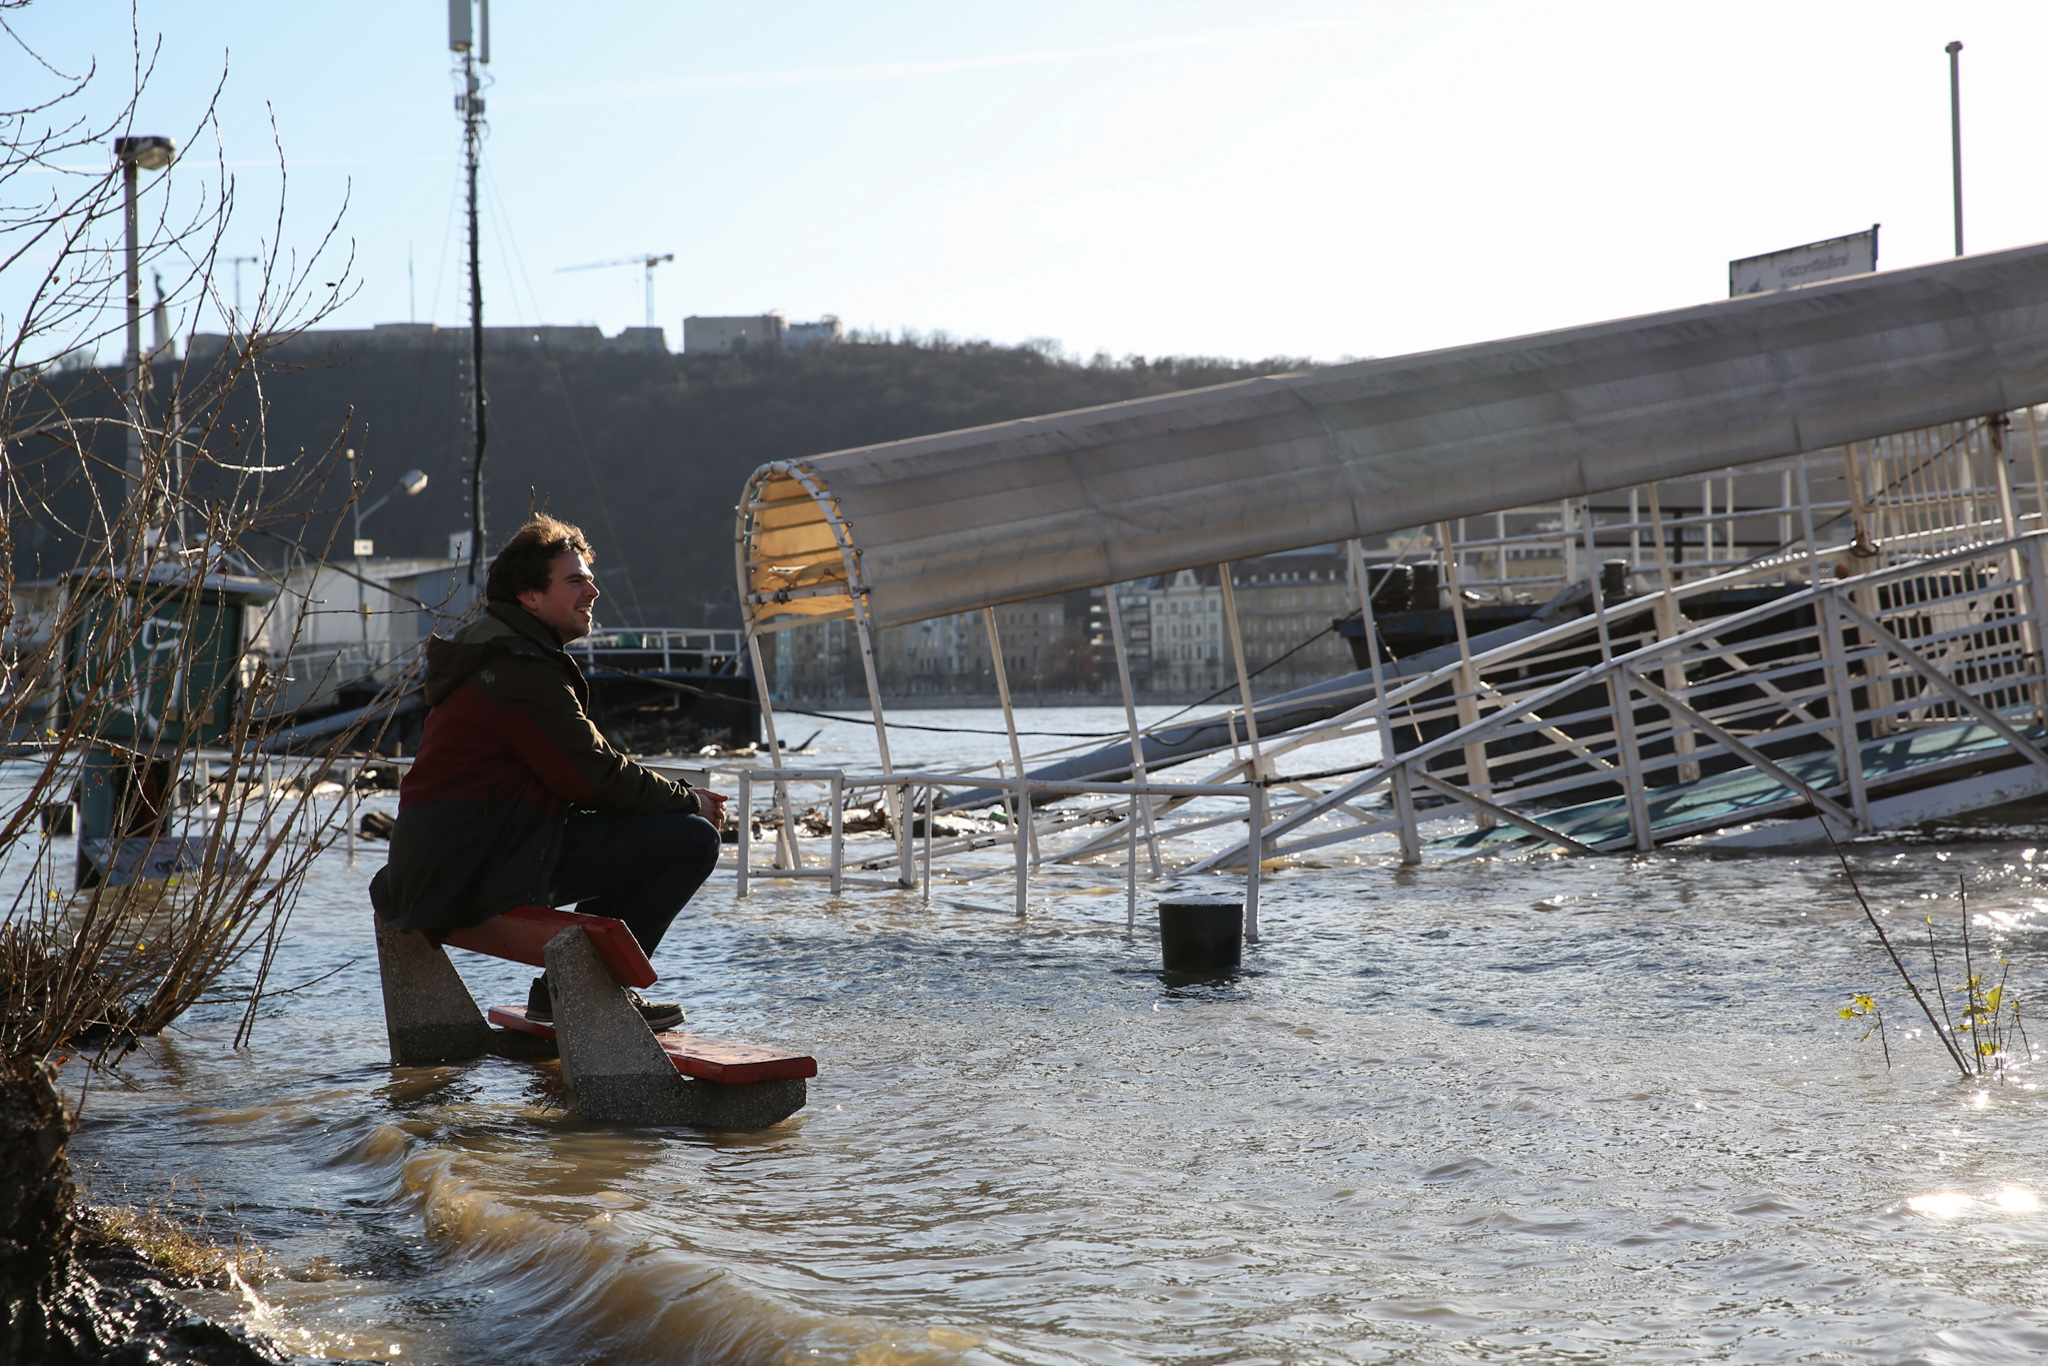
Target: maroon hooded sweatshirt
[{"x": 508, "y": 750}]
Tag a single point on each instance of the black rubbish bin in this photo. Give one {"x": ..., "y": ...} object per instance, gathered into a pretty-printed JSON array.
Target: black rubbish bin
[{"x": 1201, "y": 936}]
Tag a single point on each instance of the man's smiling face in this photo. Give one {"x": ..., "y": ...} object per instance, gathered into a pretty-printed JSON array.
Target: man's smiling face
[{"x": 566, "y": 603}]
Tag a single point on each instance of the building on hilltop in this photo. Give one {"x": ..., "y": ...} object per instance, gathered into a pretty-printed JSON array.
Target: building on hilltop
[
  {"x": 813, "y": 336},
  {"x": 586, "y": 339},
  {"x": 769, "y": 332}
]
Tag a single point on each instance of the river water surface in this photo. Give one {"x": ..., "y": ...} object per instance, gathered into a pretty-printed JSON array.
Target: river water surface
[{"x": 1535, "y": 1109}]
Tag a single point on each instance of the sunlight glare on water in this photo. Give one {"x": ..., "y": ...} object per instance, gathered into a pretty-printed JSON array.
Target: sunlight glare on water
[{"x": 1534, "y": 1109}]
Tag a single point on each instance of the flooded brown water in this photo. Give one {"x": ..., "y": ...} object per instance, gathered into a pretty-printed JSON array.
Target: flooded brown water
[{"x": 1542, "y": 1110}]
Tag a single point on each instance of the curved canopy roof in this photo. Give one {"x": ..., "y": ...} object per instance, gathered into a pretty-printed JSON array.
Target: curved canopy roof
[{"x": 967, "y": 519}]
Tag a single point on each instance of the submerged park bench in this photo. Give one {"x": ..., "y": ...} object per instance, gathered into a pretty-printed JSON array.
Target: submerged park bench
[{"x": 616, "y": 1067}]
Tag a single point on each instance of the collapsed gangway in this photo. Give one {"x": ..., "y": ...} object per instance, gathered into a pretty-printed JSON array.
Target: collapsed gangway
[{"x": 1883, "y": 407}]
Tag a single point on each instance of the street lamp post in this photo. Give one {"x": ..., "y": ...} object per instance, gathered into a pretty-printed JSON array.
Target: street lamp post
[
  {"x": 1955, "y": 132},
  {"x": 409, "y": 483},
  {"x": 136, "y": 155}
]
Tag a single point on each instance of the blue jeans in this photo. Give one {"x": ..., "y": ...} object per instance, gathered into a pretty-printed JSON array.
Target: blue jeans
[{"x": 640, "y": 867}]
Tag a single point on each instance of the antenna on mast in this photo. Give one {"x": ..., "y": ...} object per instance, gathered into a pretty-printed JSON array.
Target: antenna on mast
[{"x": 462, "y": 33}]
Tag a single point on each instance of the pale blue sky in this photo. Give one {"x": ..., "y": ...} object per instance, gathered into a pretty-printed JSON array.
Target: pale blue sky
[{"x": 1300, "y": 177}]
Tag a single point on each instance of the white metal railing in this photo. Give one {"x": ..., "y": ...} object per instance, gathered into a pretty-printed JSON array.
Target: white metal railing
[
  {"x": 1833, "y": 670},
  {"x": 1019, "y": 836},
  {"x": 710, "y": 646}
]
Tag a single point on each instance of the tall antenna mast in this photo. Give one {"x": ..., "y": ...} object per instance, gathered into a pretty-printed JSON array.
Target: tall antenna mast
[{"x": 462, "y": 38}]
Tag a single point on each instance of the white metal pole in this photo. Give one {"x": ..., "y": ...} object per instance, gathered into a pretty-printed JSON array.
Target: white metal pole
[
  {"x": 1023, "y": 845},
  {"x": 898, "y": 798},
  {"x": 746, "y": 829},
  {"x": 1257, "y": 822},
  {"x": 2040, "y": 478},
  {"x": 1635, "y": 794},
  {"x": 1476, "y": 774},
  {"x": 1403, "y": 807},
  {"x": 838, "y": 828},
  {"x": 1995, "y": 433},
  {"x": 796, "y": 858},
  {"x": 1255, "y": 815},
  {"x": 1827, "y": 619},
  {"x": 1500, "y": 556},
  {"x": 1244, "y": 685},
  {"x": 1593, "y": 579},
  {"x": 1668, "y": 625},
  {"x": 2023, "y": 583},
  {"x": 1566, "y": 547},
  {"x": 1024, "y": 828},
  {"x": 2037, "y": 575},
  {"x": 1706, "y": 528},
  {"x": 1404, "y": 812},
  {"x": 1131, "y": 868},
  {"x": 1123, "y": 677}
]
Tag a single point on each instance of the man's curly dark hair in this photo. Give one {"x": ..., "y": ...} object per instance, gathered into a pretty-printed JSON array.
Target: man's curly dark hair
[{"x": 526, "y": 564}]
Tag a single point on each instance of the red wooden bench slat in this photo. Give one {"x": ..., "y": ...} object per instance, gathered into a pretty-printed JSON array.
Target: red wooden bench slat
[
  {"x": 719, "y": 1060},
  {"x": 522, "y": 932}
]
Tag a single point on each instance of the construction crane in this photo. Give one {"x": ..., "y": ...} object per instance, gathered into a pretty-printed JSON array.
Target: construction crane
[{"x": 647, "y": 263}]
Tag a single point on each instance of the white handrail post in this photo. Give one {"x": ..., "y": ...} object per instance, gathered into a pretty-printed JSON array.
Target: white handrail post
[
  {"x": 1131, "y": 869},
  {"x": 2037, "y": 579},
  {"x": 1476, "y": 775},
  {"x": 1404, "y": 811},
  {"x": 905, "y": 869},
  {"x": 1018, "y": 833},
  {"x": 1667, "y": 618},
  {"x": 1257, "y": 822},
  {"x": 838, "y": 828},
  {"x": 1244, "y": 685},
  {"x": 1022, "y": 814},
  {"x": 931, "y": 815},
  {"x": 1244, "y": 694},
  {"x": 745, "y": 817},
  {"x": 1404, "y": 807},
  {"x": 2023, "y": 584},
  {"x": 1618, "y": 694},
  {"x": 788, "y": 835},
  {"x": 1123, "y": 676},
  {"x": 1828, "y": 622},
  {"x": 2040, "y": 475}
]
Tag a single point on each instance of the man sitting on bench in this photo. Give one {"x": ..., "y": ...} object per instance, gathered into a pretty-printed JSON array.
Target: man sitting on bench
[{"x": 516, "y": 799}]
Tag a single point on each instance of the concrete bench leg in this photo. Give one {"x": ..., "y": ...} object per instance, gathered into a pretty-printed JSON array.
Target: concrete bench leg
[
  {"x": 429, "y": 1014},
  {"x": 617, "y": 1070}
]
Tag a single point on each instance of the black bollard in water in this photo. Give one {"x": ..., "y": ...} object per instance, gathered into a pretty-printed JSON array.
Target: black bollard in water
[{"x": 1201, "y": 936}]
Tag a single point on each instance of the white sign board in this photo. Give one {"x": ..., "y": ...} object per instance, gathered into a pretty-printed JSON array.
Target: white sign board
[{"x": 1855, "y": 254}]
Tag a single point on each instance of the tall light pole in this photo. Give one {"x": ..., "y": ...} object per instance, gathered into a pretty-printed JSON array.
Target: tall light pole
[
  {"x": 1955, "y": 132},
  {"x": 136, "y": 155},
  {"x": 462, "y": 38},
  {"x": 409, "y": 483}
]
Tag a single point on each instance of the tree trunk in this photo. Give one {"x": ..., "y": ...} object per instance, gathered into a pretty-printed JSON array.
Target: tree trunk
[
  {"x": 46, "y": 1310},
  {"x": 54, "y": 1309}
]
